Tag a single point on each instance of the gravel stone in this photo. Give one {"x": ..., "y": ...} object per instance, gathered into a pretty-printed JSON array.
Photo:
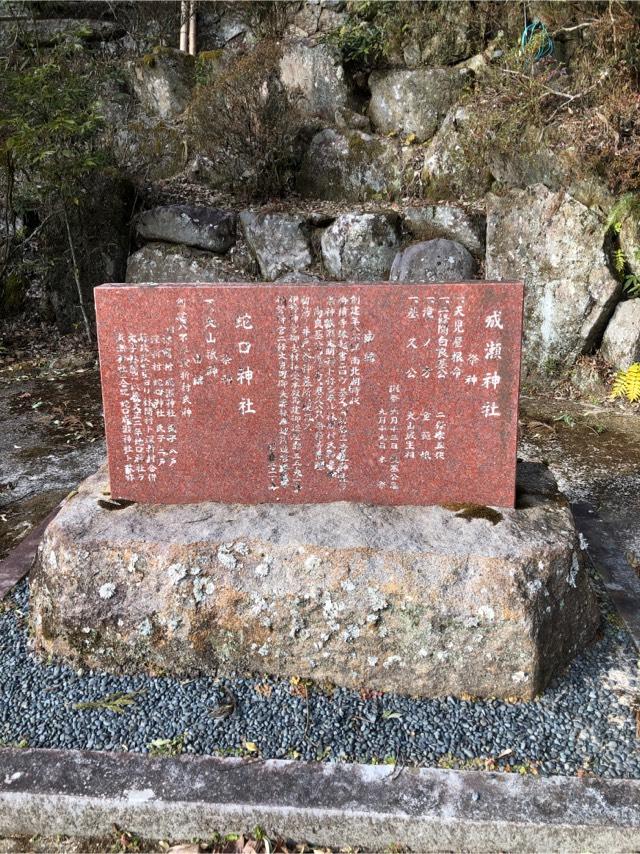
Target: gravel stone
[{"x": 566, "y": 730}]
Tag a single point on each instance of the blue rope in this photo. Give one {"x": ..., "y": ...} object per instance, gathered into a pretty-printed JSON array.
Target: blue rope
[{"x": 537, "y": 28}]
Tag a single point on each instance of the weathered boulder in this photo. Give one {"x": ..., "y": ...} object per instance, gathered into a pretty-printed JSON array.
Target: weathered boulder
[
  {"x": 446, "y": 165},
  {"x": 351, "y": 166},
  {"x": 448, "y": 35},
  {"x": 621, "y": 340},
  {"x": 318, "y": 18},
  {"x": 413, "y": 101},
  {"x": 315, "y": 74},
  {"x": 163, "y": 81},
  {"x": 206, "y": 228},
  {"x": 433, "y": 261},
  {"x": 233, "y": 29},
  {"x": 555, "y": 244},
  {"x": 278, "y": 242},
  {"x": 418, "y": 600},
  {"x": 361, "y": 246},
  {"x": 164, "y": 262},
  {"x": 449, "y": 221},
  {"x": 537, "y": 166},
  {"x": 144, "y": 147}
]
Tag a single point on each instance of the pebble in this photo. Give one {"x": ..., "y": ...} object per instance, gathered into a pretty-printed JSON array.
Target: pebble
[{"x": 564, "y": 731}]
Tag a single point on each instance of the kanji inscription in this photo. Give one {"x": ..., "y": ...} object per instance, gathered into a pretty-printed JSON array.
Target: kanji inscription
[{"x": 381, "y": 393}]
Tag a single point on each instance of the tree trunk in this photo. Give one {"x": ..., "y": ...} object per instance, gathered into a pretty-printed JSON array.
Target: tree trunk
[{"x": 76, "y": 275}]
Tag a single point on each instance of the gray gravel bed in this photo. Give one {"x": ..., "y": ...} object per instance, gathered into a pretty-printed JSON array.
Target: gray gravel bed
[{"x": 585, "y": 719}]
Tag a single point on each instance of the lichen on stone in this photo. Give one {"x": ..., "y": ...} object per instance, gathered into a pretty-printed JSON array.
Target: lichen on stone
[
  {"x": 264, "y": 567},
  {"x": 377, "y": 599},
  {"x": 573, "y": 573},
  {"x": 241, "y": 548},
  {"x": 226, "y": 557},
  {"x": 145, "y": 628},
  {"x": 107, "y": 591},
  {"x": 176, "y": 572},
  {"x": 202, "y": 587}
]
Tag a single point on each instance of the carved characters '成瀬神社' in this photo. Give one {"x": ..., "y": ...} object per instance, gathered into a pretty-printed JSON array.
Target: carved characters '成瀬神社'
[{"x": 381, "y": 393}]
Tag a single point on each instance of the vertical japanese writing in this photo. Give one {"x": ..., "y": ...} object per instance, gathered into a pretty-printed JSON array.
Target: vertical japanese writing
[
  {"x": 493, "y": 356},
  {"x": 321, "y": 352},
  {"x": 442, "y": 352},
  {"x": 147, "y": 404},
  {"x": 322, "y": 390}
]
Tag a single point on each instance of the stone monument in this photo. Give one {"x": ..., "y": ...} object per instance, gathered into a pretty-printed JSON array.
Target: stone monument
[
  {"x": 316, "y": 480},
  {"x": 384, "y": 393}
]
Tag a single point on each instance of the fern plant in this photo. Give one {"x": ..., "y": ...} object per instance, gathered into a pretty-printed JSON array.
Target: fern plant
[
  {"x": 116, "y": 703},
  {"x": 627, "y": 383},
  {"x": 627, "y": 206}
]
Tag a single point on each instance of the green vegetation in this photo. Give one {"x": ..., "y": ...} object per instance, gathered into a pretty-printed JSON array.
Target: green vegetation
[
  {"x": 378, "y": 33},
  {"x": 116, "y": 703},
  {"x": 581, "y": 114},
  {"x": 627, "y": 208},
  {"x": 243, "y": 120},
  {"x": 49, "y": 125},
  {"x": 362, "y": 39},
  {"x": 168, "y": 746}
]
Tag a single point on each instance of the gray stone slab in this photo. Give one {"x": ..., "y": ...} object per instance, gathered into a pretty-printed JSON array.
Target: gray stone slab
[
  {"x": 84, "y": 794},
  {"x": 424, "y": 601}
]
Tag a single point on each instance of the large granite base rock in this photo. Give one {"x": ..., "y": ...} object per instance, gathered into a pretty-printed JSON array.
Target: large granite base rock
[{"x": 426, "y": 601}]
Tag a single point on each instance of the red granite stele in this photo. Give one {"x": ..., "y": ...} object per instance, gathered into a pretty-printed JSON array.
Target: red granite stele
[{"x": 380, "y": 393}]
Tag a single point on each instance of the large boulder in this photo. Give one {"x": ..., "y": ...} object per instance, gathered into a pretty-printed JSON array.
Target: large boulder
[
  {"x": 537, "y": 166},
  {"x": 163, "y": 81},
  {"x": 426, "y": 601},
  {"x": 278, "y": 241},
  {"x": 314, "y": 77},
  {"x": 164, "y": 262},
  {"x": 361, "y": 247},
  {"x": 351, "y": 166},
  {"x": 413, "y": 102},
  {"x": 206, "y": 228},
  {"x": 621, "y": 340},
  {"x": 318, "y": 18},
  {"x": 555, "y": 245},
  {"x": 446, "y": 167},
  {"x": 450, "y": 221},
  {"x": 433, "y": 261},
  {"x": 447, "y": 34}
]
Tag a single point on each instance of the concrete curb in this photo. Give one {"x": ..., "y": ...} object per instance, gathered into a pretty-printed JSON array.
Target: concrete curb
[{"x": 82, "y": 793}]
